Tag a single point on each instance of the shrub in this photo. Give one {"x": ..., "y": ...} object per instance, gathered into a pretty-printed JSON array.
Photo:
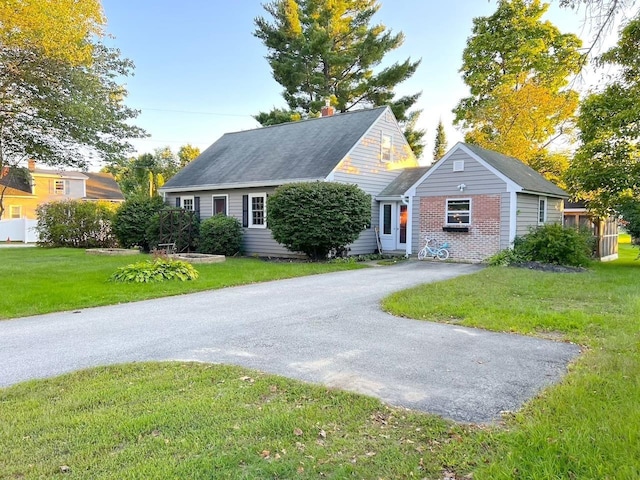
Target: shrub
[
  {"x": 220, "y": 235},
  {"x": 76, "y": 223},
  {"x": 132, "y": 221},
  {"x": 174, "y": 225},
  {"x": 316, "y": 218},
  {"x": 555, "y": 244},
  {"x": 157, "y": 270},
  {"x": 504, "y": 258}
]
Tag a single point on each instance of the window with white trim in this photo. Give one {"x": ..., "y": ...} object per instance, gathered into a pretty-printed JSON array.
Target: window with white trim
[
  {"x": 219, "y": 204},
  {"x": 187, "y": 203},
  {"x": 459, "y": 211},
  {"x": 386, "y": 145},
  {"x": 15, "y": 211},
  {"x": 60, "y": 187},
  {"x": 542, "y": 210},
  {"x": 258, "y": 210}
]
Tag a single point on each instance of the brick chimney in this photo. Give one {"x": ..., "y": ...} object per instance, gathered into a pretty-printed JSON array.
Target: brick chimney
[
  {"x": 32, "y": 165},
  {"x": 327, "y": 110}
]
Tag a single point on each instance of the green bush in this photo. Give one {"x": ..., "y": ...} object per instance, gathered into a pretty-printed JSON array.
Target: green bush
[
  {"x": 157, "y": 270},
  {"x": 178, "y": 226},
  {"x": 316, "y": 218},
  {"x": 220, "y": 235},
  {"x": 555, "y": 244},
  {"x": 76, "y": 223},
  {"x": 132, "y": 221},
  {"x": 504, "y": 258}
]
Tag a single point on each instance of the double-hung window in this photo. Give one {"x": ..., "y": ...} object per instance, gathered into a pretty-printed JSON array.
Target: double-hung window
[
  {"x": 15, "y": 211},
  {"x": 188, "y": 203},
  {"x": 219, "y": 203},
  {"x": 542, "y": 210},
  {"x": 60, "y": 187},
  {"x": 258, "y": 210},
  {"x": 386, "y": 145},
  {"x": 459, "y": 212}
]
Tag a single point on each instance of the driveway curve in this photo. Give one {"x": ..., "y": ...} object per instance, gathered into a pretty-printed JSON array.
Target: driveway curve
[{"x": 325, "y": 329}]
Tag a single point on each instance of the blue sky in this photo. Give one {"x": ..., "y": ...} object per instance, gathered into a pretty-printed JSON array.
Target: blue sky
[{"x": 200, "y": 72}]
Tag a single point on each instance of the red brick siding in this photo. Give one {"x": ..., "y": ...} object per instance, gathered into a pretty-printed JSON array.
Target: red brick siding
[{"x": 483, "y": 238}]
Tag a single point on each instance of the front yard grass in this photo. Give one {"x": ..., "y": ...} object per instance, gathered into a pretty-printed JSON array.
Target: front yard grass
[
  {"x": 39, "y": 280},
  {"x": 186, "y": 420},
  {"x": 588, "y": 427}
]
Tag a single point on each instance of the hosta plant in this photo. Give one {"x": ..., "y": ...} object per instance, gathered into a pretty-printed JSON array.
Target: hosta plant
[{"x": 157, "y": 270}]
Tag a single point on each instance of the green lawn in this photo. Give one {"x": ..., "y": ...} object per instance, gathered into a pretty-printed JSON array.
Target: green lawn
[
  {"x": 177, "y": 420},
  {"x": 38, "y": 280}
]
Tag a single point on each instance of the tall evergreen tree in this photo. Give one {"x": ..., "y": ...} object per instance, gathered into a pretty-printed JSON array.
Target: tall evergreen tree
[
  {"x": 321, "y": 49},
  {"x": 440, "y": 146},
  {"x": 517, "y": 67}
]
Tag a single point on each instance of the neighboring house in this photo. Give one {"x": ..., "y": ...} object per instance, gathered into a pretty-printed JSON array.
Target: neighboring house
[
  {"x": 604, "y": 230},
  {"x": 21, "y": 198},
  {"x": 476, "y": 200},
  {"x": 235, "y": 175}
]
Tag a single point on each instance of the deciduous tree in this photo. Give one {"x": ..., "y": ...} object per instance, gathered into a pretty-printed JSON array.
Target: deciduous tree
[
  {"x": 517, "y": 67},
  {"x": 187, "y": 153},
  {"x": 321, "y": 49},
  {"x": 606, "y": 167},
  {"x": 60, "y": 100}
]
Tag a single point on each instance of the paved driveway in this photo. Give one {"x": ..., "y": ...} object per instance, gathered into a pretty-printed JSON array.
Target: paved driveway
[{"x": 324, "y": 329}]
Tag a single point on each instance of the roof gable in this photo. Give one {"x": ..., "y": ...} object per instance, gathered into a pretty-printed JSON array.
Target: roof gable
[
  {"x": 102, "y": 186},
  {"x": 403, "y": 182},
  {"x": 304, "y": 150}
]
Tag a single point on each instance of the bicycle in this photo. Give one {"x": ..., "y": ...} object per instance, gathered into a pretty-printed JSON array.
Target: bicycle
[{"x": 433, "y": 250}]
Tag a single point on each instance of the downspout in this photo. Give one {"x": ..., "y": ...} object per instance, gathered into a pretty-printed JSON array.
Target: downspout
[{"x": 408, "y": 201}]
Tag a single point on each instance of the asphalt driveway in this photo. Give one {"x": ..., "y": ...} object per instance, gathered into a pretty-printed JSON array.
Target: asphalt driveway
[{"x": 325, "y": 329}]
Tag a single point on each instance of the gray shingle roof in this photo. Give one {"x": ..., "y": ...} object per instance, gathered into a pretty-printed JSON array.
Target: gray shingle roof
[
  {"x": 309, "y": 150},
  {"x": 403, "y": 182},
  {"x": 102, "y": 186},
  {"x": 520, "y": 173}
]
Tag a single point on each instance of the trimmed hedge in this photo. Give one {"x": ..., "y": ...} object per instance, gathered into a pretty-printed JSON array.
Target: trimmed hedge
[
  {"x": 220, "y": 235},
  {"x": 76, "y": 224},
  {"x": 317, "y": 218}
]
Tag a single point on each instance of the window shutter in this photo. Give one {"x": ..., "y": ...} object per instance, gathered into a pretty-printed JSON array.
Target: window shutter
[
  {"x": 177, "y": 202},
  {"x": 245, "y": 210},
  {"x": 196, "y": 206},
  {"x": 266, "y": 222}
]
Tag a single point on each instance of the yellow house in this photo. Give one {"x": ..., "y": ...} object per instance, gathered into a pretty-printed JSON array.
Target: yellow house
[{"x": 22, "y": 195}]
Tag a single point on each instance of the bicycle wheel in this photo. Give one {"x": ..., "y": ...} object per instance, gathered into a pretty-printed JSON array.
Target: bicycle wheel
[
  {"x": 442, "y": 254},
  {"x": 422, "y": 254}
]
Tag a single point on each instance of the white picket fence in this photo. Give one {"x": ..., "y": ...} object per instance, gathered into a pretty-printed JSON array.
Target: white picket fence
[{"x": 18, "y": 230}]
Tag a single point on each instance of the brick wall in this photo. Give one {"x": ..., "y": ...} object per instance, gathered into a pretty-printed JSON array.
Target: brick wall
[{"x": 483, "y": 238}]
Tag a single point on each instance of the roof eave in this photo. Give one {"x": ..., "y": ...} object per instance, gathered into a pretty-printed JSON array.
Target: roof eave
[
  {"x": 237, "y": 185},
  {"x": 546, "y": 194}
]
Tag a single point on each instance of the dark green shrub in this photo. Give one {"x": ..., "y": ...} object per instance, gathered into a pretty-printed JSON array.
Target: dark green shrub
[
  {"x": 157, "y": 270},
  {"x": 174, "y": 225},
  {"x": 132, "y": 220},
  {"x": 555, "y": 244},
  {"x": 220, "y": 235},
  {"x": 316, "y": 218},
  {"x": 76, "y": 223},
  {"x": 630, "y": 211}
]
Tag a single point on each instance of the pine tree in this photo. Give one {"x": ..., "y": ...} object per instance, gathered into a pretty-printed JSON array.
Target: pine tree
[
  {"x": 440, "y": 147},
  {"x": 321, "y": 49}
]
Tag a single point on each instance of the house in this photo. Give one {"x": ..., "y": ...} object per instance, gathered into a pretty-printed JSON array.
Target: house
[
  {"x": 474, "y": 199},
  {"x": 235, "y": 175},
  {"x": 604, "y": 230},
  {"x": 23, "y": 195}
]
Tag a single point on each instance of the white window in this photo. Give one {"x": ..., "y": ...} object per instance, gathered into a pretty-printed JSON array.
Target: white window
[
  {"x": 542, "y": 210},
  {"x": 60, "y": 187},
  {"x": 458, "y": 165},
  {"x": 459, "y": 212},
  {"x": 258, "y": 210},
  {"x": 187, "y": 203},
  {"x": 385, "y": 148},
  {"x": 220, "y": 204},
  {"x": 15, "y": 211}
]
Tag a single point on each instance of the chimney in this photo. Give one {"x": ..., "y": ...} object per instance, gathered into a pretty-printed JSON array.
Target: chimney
[
  {"x": 327, "y": 110},
  {"x": 32, "y": 165}
]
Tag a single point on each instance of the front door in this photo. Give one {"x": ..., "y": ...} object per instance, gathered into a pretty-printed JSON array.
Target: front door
[{"x": 393, "y": 226}]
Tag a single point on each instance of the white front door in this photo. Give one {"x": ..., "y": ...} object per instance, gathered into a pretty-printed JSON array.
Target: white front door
[{"x": 393, "y": 226}]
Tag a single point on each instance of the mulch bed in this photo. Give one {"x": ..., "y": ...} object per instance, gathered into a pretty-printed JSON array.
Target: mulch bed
[{"x": 548, "y": 267}]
